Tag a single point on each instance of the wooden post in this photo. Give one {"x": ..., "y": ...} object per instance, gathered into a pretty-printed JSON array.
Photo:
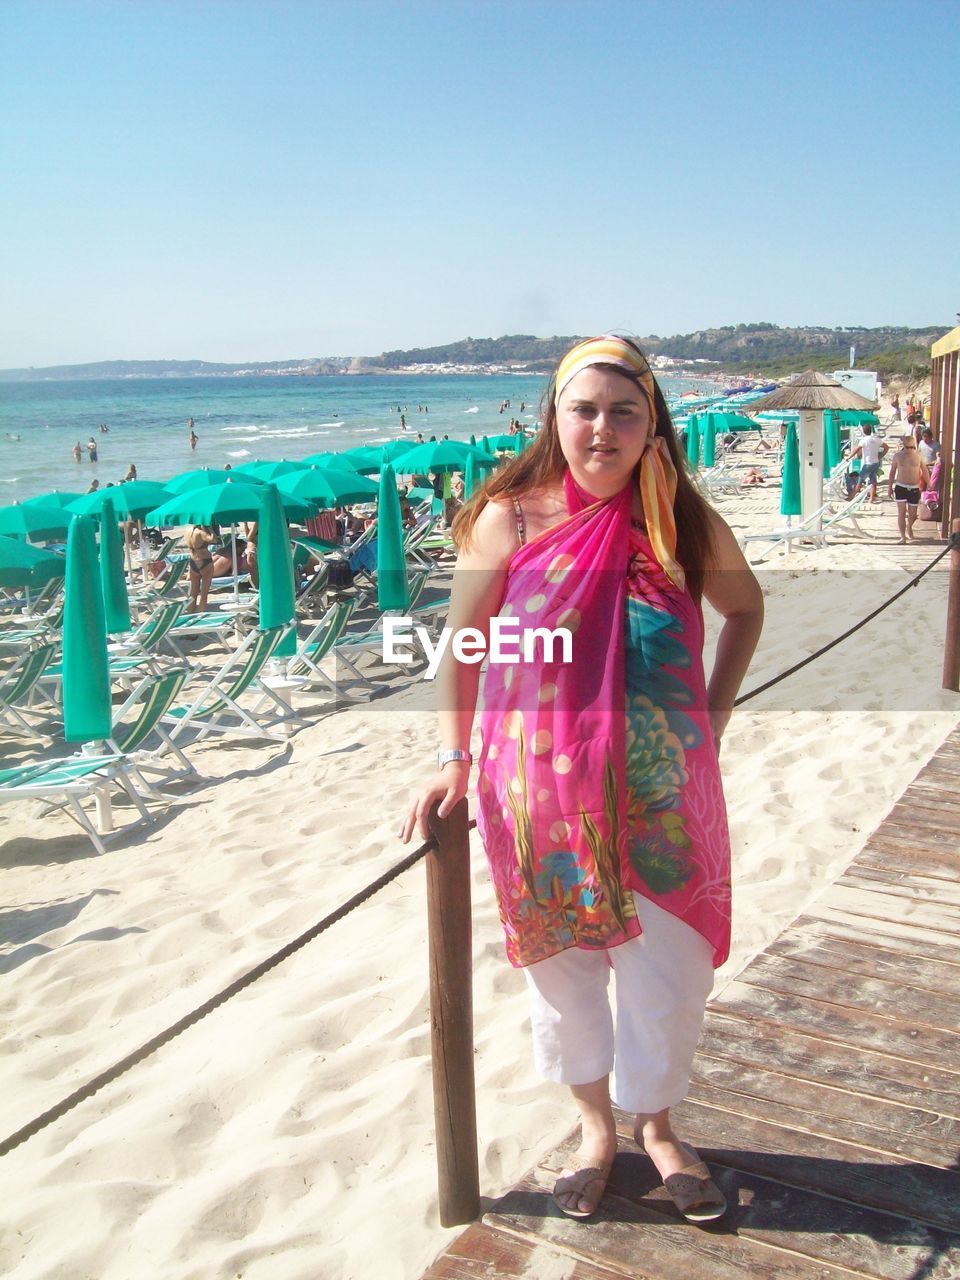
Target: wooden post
[
  {"x": 951, "y": 649},
  {"x": 451, "y": 1018}
]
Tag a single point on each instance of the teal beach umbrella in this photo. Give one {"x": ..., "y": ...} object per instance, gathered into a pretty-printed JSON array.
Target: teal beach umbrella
[
  {"x": 224, "y": 504},
  {"x": 832, "y": 448},
  {"x": 34, "y": 523},
  {"x": 709, "y": 441},
  {"x": 24, "y": 566},
  {"x": 201, "y": 477},
  {"x": 268, "y": 471},
  {"x": 113, "y": 582},
  {"x": 133, "y": 499},
  {"x": 275, "y": 561},
  {"x": 86, "y": 681},
  {"x": 790, "y": 504},
  {"x": 56, "y": 498},
  {"x": 327, "y": 487},
  {"x": 392, "y": 592},
  {"x": 693, "y": 441},
  {"x": 470, "y": 477},
  {"x": 339, "y": 461}
]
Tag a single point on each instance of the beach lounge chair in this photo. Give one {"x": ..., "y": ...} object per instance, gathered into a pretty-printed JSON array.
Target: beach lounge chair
[
  {"x": 320, "y": 641},
  {"x": 350, "y": 647},
  {"x": 44, "y": 628},
  {"x": 66, "y": 783},
  {"x": 146, "y": 640},
  {"x": 18, "y": 688},
  {"x": 162, "y": 588},
  {"x": 814, "y": 528},
  {"x": 215, "y": 708}
]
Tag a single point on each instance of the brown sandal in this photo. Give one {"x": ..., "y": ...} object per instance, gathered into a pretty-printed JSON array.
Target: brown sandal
[
  {"x": 575, "y": 1179},
  {"x": 695, "y": 1193},
  {"x": 692, "y": 1190}
]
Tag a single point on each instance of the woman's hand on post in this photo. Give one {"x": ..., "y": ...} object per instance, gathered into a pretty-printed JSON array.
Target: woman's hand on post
[{"x": 448, "y": 786}]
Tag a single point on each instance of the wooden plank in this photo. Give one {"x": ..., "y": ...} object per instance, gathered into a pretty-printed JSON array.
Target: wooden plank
[
  {"x": 912, "y": 884},
  {"x": 904, "y": 1007},
  {"x": 886, "y": 929},
  {"x": 811, "y": 1162},
  {"x": 809, "y": 1057},
  {"x": 903, "y": 1133},
  {"x": 631, "y": 1234},
  {"x": 483, "y": 1253},
  {"x": 911, "y": 811},
  {"x": 890, "y": 855},
  {"x": 638, "y": 1233},
  {"x": 874, "y": 904},
  {"x": 939, "y": 976},
  {"x": 905, "y": 940},
  {"x": 940, "y": 774},
  {"x": 933, "y": 797},
  {"x": 929, "y": 1045},
  {"x": 925, "y": 837}
]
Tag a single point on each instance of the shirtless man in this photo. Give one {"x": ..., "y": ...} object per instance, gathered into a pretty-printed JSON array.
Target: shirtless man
[{"x": 908, "y": 475}]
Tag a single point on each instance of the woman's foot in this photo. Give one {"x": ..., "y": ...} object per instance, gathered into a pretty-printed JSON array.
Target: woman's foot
[
  {"x": 685, "y": 1177},
  {"x": 580, "y": 1186}
]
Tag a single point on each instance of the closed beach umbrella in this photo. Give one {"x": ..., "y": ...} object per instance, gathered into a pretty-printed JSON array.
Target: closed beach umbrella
[
  {"x": 275, "y": 560},
  {"x": 86, "y": 682},
  {"x": 709, "y": 440},
  {"x": 113, "y": 582},
  {"x": 34, "y": 523},
  {"x": 831, "y": 441},
  {"x": 693, "y": 441},
  {"x": 24, "y": 566},
  {"x": 473, "y": 440},
  {"x": 327, "y": 487},
  {"x": 392, "y": 592},
  {"x": 470, "y": 477},
  {"x": 486, "y": 445},
  {"x": 790, "y": 493}
]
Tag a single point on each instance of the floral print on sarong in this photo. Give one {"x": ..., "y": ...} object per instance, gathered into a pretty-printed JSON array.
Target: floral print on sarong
[{"x": 579, "y": 808}]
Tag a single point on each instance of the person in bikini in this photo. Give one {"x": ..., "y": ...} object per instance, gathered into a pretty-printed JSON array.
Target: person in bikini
[
  {"x": 198, "y": 542},
  {"x": 908, "y": 476}
]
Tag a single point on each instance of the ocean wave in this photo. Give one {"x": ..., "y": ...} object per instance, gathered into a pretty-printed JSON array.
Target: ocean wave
[
  {"x": 239, "y": 453},
  {"x": 9, "y": 479},
  {"x": 475, "y": 409}
]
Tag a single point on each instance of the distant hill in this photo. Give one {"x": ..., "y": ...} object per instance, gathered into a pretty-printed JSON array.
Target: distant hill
[
  {"x": 763, "y": 349},
  {"x": 175, "y": 369},
  {"x": 744, "y": 348}
]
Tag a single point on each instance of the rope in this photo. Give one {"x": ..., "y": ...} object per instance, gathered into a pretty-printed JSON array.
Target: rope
[
  {"x": 239, "y": 984},
  {"x": 953, "y": 544},
  {"x": 252, "y": 975}
]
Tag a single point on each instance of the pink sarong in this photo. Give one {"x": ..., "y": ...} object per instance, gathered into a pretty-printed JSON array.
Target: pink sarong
[{"x": 599, "y": 776}]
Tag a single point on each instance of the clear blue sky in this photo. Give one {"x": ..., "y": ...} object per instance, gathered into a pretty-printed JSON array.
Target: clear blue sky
[{"x": 237, "y": 180}]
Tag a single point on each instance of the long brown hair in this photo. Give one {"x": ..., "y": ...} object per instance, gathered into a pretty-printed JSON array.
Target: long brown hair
[{"x": 542, "y": 465}]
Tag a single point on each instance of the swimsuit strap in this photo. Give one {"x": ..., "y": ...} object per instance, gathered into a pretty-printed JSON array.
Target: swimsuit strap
[{"x": 521, "y": 523}]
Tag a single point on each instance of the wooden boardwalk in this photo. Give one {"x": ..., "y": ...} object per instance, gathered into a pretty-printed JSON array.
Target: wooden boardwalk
[{"x": 826, "y": 1097}]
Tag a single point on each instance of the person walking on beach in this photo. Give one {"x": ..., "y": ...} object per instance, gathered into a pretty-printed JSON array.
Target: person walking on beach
[
  {"x": 92, "y": 449},
  {"x": 871, "y": 450},
  {"x": 606, "y": 835},
  {"x": 77, "y": 452},
  {"x": 908, "y": 476}
]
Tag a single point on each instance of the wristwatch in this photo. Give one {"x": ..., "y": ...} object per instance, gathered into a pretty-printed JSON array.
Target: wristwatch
[{"x": 445, "y": 757}]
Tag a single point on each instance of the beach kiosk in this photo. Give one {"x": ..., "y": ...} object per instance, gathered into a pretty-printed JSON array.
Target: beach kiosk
[{"x": 811, "y": 393}]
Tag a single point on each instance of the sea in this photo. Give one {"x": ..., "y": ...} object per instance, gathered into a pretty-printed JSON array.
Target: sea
[{"x": 240, "y": 419}]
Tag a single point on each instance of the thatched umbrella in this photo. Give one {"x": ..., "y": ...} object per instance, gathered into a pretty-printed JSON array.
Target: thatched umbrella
[
  {"x": 811, "y": 393},
  {"x": 811, "y": 390}
]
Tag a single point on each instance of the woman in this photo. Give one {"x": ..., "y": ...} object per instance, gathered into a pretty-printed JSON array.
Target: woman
[
  {"x": 606, "y": 837},
  {"x": 199, "y": 541}
]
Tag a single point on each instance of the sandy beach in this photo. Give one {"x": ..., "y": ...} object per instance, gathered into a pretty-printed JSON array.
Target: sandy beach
[{"x": 290, "y": 1134}]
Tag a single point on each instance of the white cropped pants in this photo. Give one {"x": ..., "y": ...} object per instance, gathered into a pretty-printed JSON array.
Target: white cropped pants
[{"x": 663, "y": 979}]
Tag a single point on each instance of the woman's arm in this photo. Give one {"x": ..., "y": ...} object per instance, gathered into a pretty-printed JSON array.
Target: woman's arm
[
  {"x": 476, "y": 594},
  {"x": 731, "y": 588}
]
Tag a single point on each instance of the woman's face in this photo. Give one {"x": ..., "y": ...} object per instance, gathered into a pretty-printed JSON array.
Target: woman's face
[{"x": 603, "y": 422}]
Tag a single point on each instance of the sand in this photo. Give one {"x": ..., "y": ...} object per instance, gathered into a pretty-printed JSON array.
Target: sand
[{"x": 290, "y": 1134}]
